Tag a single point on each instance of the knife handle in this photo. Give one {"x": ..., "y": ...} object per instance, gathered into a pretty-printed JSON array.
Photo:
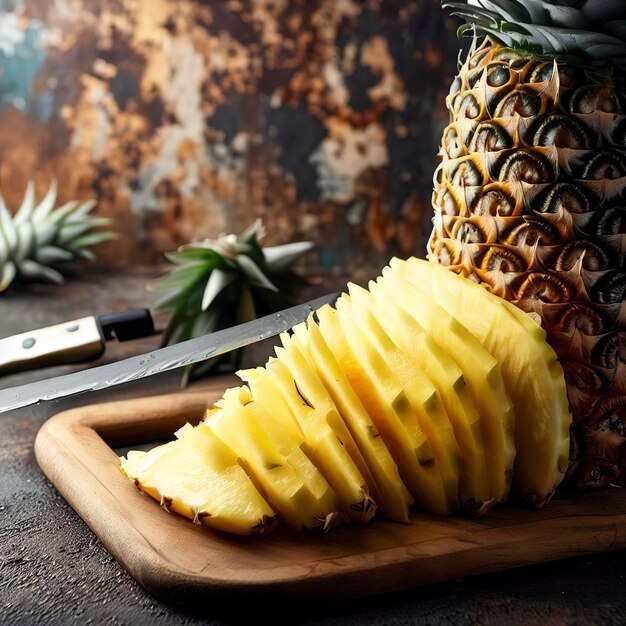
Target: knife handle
[{"x": 70, "y": 342}]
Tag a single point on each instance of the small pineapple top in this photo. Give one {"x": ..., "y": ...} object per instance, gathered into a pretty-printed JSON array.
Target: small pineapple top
[
  {"x": 591, "y": 30},
  {"x": 42, "y": 237},
  {"x": 218, "y": 283}
]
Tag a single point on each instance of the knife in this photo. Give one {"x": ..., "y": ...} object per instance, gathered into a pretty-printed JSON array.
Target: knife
[
  {"x": 76, "y": 341},
  {"x": 159, "y": 361}
]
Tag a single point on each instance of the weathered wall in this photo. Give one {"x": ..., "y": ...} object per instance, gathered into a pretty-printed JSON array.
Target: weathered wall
[{"x": 189, "y": 118}]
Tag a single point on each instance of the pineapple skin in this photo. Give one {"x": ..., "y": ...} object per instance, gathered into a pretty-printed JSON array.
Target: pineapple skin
[{"x": 530, "y": 198}]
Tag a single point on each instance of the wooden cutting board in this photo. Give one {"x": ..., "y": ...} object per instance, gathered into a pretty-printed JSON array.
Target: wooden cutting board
[{"x": 187, "y": 564}]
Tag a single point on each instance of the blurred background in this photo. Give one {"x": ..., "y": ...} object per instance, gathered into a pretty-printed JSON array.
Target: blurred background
[{"x": 188, "y": 119}]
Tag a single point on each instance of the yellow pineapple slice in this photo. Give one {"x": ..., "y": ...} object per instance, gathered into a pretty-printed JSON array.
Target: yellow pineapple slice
[
  {"x": 496, "y": 429},
  {"x": 423, "y": 352},
  {"x": 532, "y": 375},
  {"x": 265, "y": 391},
  {"x": 394, "y": 499},
  {"x": 386, "y": 403},
  {"x": 272, "y": 457},
  {"x": 239, "y": 395},
  {"x": 198, "y": 476},
  {"x": 432, "y": 418},
  {"x": 328, "y": 442},
  {"x": 274, "y": 417}
]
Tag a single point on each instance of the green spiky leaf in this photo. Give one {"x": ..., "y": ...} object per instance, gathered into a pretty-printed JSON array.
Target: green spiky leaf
[
  {"x": 255, "y": 275},
  {"x": 40, "y": 238},
  {"x": 218, "y": 283},
  {"x": 279, "y": 258},
  {"x": 218, "y": 280},
  {"x": 591, "y": 30}
]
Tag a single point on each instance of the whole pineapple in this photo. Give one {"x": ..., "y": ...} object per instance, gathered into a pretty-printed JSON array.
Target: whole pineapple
[{"x": 530, "y": 196}]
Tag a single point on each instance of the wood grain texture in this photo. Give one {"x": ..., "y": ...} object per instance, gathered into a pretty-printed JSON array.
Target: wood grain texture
[{"x": 187, "y": 564}]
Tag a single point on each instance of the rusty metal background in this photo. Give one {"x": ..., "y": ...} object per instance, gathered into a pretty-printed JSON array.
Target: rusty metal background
[{"x": 188, "y": 118}]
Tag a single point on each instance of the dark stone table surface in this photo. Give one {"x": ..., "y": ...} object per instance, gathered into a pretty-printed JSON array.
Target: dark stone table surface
[{"x": 53, "y": 570}]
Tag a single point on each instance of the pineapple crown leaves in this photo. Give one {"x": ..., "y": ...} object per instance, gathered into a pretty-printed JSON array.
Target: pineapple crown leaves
[
  {"x": 226, "y": 281},
  {"x": 41, "y": 236},
  {"x": 590, "y": 30}
]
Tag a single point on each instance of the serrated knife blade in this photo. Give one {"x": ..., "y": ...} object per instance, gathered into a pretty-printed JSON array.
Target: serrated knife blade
[{"x": 159, "y": 361}]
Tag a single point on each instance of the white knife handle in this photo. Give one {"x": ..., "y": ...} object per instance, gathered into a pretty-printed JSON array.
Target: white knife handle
[{"x": 70, "y": 342}]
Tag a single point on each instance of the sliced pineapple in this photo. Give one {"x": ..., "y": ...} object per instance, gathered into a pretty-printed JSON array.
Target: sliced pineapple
[
  {"x": 274, "y": 418},
  {"x": 393, "y": 498},
  {"x": 409, "y": 384},
  {"x": 419, "y": 390},
  {"x": 266, "y": 392},
  {"x": 387, "y": 405},
  {"x": 272, "y": 456},
  {"x": 328, "y": 442},
  {"x": 239, "y": 395},
  {"x": 493, "y": 435},
  {"x": 532, "y": 375},
  {"x": 420, "y": 350},
  {"x": 198, "y": 476}
]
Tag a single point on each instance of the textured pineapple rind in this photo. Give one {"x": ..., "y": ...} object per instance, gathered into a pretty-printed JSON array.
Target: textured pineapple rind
[{"x": 547, "y": 232}]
